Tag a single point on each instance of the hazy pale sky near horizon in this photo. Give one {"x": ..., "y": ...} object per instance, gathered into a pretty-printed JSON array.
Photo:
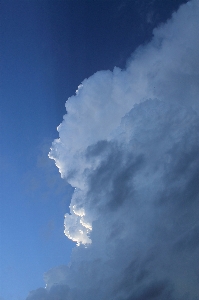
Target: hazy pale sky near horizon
[{"x": 136, "y": 186}]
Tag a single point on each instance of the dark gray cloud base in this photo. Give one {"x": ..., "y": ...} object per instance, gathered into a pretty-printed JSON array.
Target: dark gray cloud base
[{"x": 129, "y": 146}]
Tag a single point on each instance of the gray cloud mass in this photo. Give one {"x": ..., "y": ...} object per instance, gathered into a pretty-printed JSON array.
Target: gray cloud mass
[{"x": 129, "y": 146}]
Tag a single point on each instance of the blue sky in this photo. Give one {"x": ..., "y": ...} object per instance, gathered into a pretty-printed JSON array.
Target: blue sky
[{"x": 47, "y": 49}]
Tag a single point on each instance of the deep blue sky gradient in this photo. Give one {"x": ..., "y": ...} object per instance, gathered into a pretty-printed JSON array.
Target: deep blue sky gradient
[{"x": 47, "y": 49}]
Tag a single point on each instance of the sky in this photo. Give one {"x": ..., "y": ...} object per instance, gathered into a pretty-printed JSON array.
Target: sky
[{"x": 113, "y": 214}]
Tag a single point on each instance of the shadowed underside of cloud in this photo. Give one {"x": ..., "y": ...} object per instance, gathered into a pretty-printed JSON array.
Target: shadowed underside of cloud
[{"x": 129, "y": 146}]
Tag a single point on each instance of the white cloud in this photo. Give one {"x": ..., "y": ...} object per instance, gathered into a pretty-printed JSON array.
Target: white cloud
[{"x": 129, "y": 145}]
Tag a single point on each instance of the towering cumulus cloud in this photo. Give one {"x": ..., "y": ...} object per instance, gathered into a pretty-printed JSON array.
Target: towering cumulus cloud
[{"x": 129, "y": 146}]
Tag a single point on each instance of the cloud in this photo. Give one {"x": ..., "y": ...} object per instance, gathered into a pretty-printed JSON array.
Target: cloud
[{"x": 129, "y": 146}]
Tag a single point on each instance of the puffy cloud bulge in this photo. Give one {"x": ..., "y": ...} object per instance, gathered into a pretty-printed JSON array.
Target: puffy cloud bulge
[{"x": 129, "y": 146}]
